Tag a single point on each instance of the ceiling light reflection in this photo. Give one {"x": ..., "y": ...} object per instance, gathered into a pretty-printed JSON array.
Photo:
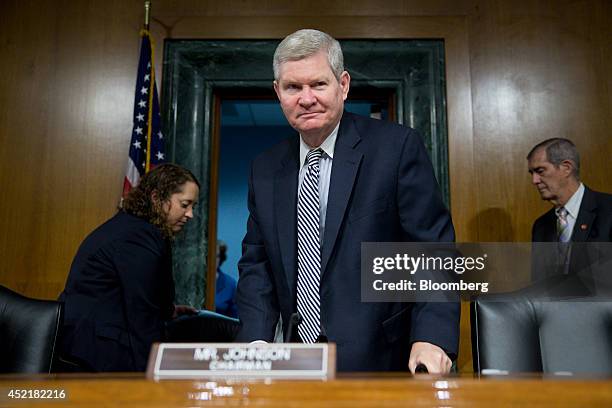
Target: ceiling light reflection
[
  {"x": 444, "y": 385},
  {"x": 199, "y": 396},
  {"x": 443, "y": 395}
]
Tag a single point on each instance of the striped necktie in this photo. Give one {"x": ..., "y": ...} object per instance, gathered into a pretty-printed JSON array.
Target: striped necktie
[
  {"x": 309, "y": 251},
  {"x": 564, "y": 232}
]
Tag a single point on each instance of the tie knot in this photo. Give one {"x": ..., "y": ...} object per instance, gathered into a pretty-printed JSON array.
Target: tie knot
[
  {"x": 313, "y": 156},
  {"x": 562, "y": 213}
]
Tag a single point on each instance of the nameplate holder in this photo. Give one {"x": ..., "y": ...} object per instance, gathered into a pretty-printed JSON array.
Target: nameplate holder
[{"x": 242, "y": 360}]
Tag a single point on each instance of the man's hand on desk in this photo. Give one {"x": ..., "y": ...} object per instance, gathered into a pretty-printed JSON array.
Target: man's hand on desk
[{"x": 431, "y": 356}]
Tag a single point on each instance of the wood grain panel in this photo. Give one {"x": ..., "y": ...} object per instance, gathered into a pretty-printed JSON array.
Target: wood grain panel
[
  {"x": 68, "y": 74},
  {"x": 537, "y": 72},
  {"x": 308, "y": 8}
]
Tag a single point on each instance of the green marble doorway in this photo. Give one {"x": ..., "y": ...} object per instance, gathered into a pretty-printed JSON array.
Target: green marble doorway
[{"x": 198, "y": 73}]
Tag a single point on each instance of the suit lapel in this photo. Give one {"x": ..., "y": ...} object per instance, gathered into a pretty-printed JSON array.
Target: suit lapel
[
  {"x": 550, "y": 234},
  {"x": 586, "y": 216},
  {"x": 345, "y": 165},
  {"x": 285, "y": 211}
]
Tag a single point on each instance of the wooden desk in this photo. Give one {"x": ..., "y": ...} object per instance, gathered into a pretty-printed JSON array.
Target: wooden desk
[{"x": 350, "y": 391}]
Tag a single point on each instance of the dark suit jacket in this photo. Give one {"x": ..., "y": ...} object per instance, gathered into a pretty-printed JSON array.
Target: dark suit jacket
[
  {"x": 593, "y": 224},
  {"x": 382, "y": 189},
  {"x": 118, "y": 294},
  {"x": 595, "y": 213}
]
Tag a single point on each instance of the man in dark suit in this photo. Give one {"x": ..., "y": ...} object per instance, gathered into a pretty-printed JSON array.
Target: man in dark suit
[
  {"x": 315, "y": 198},
  {"x": 579, "y": 214}
]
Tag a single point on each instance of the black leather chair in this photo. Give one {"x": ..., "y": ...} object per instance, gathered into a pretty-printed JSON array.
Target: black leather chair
[
  {"x": 29, "y": 330},
  {"x": 517, "y": 333},
  {"x": 205, "y": 327}
]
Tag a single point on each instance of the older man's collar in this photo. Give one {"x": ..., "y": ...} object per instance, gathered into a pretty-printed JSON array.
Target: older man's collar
[{"x": 327, "y": 146}]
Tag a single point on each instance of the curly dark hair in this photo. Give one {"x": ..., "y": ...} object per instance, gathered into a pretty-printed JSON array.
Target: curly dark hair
[{"x": 161, "y": 182}]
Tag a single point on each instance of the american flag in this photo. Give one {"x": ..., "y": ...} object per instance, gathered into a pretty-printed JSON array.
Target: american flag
[{"x": 147, "y": 144}]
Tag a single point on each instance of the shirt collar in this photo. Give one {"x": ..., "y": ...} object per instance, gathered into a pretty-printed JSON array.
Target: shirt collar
[
  {"x": 328, "y": 145},
  {"x": 573, "y": 204}
]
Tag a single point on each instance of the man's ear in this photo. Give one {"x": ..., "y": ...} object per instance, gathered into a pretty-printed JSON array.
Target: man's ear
[
  {"x": 345, "y": 84},
  {"x": 276, "y": 89},
  {"x": 567, "y": 166}
]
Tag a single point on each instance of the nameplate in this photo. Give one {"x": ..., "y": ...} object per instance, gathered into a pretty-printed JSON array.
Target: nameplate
[{"x": 245, "y": 360}]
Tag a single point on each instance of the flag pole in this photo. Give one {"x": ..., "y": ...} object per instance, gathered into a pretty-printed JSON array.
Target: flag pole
[{"x": 147, "y": 6}]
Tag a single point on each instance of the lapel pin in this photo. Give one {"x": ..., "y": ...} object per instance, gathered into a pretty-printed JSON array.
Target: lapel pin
[{"x": 583, "y": 227}]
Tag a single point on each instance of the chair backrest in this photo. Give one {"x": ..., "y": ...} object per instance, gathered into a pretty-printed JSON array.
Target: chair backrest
[
  {"x": 205, "y": 327},
  {"x": 28, "y": 332},
  {"x": 519, "y": 334}
]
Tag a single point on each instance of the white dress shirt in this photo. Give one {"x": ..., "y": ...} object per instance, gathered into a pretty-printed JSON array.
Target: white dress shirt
[{"x": 573, "y": 207}]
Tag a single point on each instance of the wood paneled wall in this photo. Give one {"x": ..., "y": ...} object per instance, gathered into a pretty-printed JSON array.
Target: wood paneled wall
[
  {"x": 66, "y": 96},
  {"x": 523, "y": 71},
  {"x": 539, "y": 69}
]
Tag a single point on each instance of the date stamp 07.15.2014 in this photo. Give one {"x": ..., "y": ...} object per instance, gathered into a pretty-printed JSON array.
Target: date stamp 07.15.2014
[{"x": 30, "y": 394}]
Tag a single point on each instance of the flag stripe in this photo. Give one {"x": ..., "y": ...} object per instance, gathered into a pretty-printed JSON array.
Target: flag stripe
[{"x": 147, "y": 143}]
